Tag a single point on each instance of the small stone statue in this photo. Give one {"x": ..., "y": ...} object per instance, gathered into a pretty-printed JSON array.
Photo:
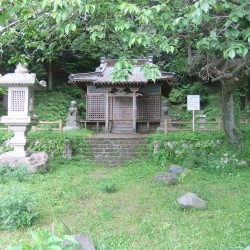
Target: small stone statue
[
  {"x": 72, "y": 118},
  {"x": 164, "y": 110},
  {"x": 165, "y": 114}
]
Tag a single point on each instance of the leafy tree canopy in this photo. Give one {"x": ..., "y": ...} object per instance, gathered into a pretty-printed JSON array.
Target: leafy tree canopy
[
  {"x": 42, "y": 29},
  {"x": 213, "y": 36}
]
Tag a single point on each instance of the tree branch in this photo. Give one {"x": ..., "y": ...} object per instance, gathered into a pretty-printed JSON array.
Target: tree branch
[
  {"x": 228, "y": 76},
  {"x": 10, "y": 25}
]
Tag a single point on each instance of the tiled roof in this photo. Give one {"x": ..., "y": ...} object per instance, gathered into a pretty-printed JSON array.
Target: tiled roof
[{"x": 101, "y": 76}]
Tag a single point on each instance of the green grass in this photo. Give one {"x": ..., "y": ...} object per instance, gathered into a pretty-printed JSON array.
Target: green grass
[{"x": 141, "y": 214}]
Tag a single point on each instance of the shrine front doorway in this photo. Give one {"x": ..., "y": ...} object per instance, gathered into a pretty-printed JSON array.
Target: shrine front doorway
[{"x": 121, "y": 113}]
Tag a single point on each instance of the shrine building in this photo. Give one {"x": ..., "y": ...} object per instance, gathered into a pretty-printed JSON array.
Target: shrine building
[{"x": 127, "y": 106}]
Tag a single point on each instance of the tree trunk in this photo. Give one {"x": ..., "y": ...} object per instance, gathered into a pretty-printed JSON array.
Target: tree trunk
[
  {"x": 228, "y": 115},
  {"x": 50, "y": 79}
]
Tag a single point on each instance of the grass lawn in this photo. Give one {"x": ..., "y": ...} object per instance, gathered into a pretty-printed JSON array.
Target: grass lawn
[{"x": 141, "y": 214}]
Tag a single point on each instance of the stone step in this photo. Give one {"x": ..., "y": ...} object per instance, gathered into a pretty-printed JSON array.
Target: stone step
[
  {"x": 117, "y": 146},
  {"x": 114, "y": 151},
  {"x": 110, "y": 150},
  {"x": 117, "y": 141},
  {"x": 122, "y": 132}
]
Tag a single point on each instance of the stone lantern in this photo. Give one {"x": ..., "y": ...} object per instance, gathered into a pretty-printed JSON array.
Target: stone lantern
[
  {"x": 21, "y": 86},
  {"x": 202, "y": 119}
]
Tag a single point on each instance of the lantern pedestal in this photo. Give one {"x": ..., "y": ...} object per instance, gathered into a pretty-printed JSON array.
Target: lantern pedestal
[{"x": 20, "y": 126}]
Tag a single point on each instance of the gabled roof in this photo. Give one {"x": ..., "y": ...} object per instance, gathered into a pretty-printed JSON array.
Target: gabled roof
[{"x": 101, "y": 77}]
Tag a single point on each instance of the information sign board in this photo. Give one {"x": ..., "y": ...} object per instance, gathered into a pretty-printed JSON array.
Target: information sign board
[{"x": 193, "y": 102}]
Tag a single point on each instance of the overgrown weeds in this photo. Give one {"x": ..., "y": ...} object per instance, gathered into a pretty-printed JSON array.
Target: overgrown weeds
[
  {"x": 17, "y": 210},
  {"x": 206, "y": 151},
  {"x": 18, "y": 173},
  {"x": 43, "y": 239},
  {"x": 107, "y": 186}
]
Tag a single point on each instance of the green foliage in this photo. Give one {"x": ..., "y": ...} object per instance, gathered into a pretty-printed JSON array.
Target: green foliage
[
  {"x": 43, "y": 239},
  {"x": 107, "y": 186},
  {"x": 17, "y": 210},
  {"x": 179, "y": 94},
  {"x": 151, "y": 71},
  {"x": 123, "y": 69},
  {"x": 5, "y": 135},
  {"x": 19, "y": 173},
  {"x": 200, "y": 150},
  {"x": 2, "y": 91},
  {"x": 54, "y": 105},
  {"x": 54, "y": 142}
]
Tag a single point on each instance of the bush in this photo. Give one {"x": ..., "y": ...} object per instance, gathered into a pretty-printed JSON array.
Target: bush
[
  {"x": 201, "y": 150},
  {"x": 54, "y": 142},
  {"x": 5, "y": 135},
  {"x": 107, "y": 186},
  {"x": 17, "y": 210},
  {"x": 19, "y": 173}
]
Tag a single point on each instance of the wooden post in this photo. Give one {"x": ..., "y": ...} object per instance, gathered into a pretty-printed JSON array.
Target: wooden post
[
  {"x": 193, "y": 121},
  {"x": 219, "y": 125},
  {"x": 134, "y": 109},
  {"x": 165, "y": 125},
  {"x": 107, "y": 110}
]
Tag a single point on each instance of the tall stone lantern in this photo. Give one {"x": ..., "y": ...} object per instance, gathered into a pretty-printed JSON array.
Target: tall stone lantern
[{"x": 21, "y": 86}]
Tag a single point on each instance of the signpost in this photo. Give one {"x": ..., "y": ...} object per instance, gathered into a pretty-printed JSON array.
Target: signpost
[{"x": 193, "y": 103}]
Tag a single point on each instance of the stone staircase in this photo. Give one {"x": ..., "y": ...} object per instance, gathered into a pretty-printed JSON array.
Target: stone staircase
[
  {"x": 113, "y": 150},
  {"x": 124, "y": 127}
]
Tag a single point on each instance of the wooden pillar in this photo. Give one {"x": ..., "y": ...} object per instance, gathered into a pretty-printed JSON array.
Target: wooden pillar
[
  {"x": 107, "y": 110},
  {"x": 134, "y": 90}
]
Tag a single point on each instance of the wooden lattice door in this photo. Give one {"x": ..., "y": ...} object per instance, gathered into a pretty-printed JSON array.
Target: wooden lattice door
[{"x": 122, "y": 108}]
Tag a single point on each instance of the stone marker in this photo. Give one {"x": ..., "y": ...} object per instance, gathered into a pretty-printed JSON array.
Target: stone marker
[
  {"x": 157, "y": 145},
  {"x": 191, "y": 200},
  {"x": 175, "y": 169},
  {"x": 84, "y": 240},
  {"x": 166, "y": 178},
  {"x": 68, "y": 151}
]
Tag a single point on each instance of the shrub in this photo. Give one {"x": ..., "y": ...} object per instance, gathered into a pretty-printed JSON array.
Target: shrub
[
  {"x": 54, "y": 142},
  {"x": 19, "y": 173},
  {"x": 4, "y": 136},
  {"x": 107, "y": 186},
  {"x": 17, "y": 210},
  {"x": 201, "y": 150}
]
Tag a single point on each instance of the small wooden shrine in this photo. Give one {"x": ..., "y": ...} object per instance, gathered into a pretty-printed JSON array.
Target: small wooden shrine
[{"x": 123, "y": 107}]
